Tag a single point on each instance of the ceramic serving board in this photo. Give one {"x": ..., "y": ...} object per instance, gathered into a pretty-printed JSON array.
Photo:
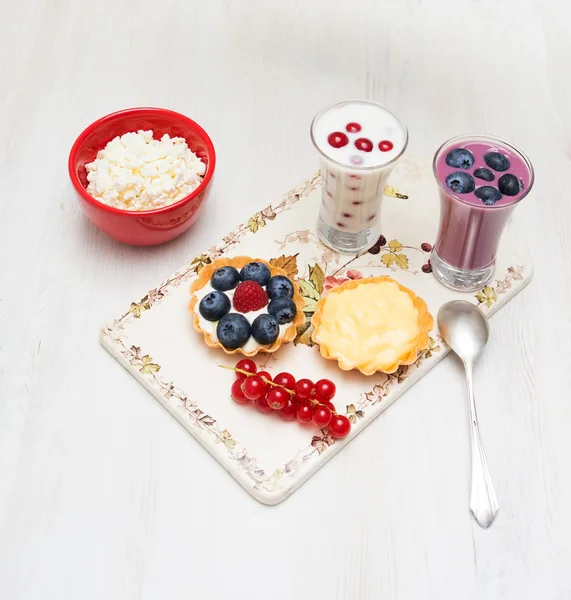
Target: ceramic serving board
[{"x": 155, "y": 341}]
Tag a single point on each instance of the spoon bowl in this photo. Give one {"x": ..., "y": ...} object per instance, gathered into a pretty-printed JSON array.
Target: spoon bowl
[{"x": 464, "y": 328}]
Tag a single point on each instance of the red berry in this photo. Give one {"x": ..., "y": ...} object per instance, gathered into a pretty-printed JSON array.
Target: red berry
[
  {"x": 353, "y": 127},
  {"x": 364, "y": 144},
  {"x": 427, "y": 268},
  {"x": 286, "y": 380},
  {"x": 245, "y": 365},
  {"x": 288, "y": 412},
  {"x": 339, "y": 426},
  {"x": 426, "y": 247},
  {"x": 322, "y": 416},
  {"x": 338, "y": 139},
  {"x": 254, "y": 387},
  {"x": 331, "y": 406},
  {"x": 304, "y": 412},
  {"x": 277, "y": 398},
  {"x": 304, "y": 388},
  {"x": 385, "y": 146},
  {"x": 325, "y": 389},
  {"x": 249, "y": 296},
  {"x": 238, "y": 392},
  {"x": 262, "y": 405},
  {"x": 265, "y": 375}
]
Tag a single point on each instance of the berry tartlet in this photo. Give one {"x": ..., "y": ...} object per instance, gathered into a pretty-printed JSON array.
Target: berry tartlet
[
  {"x": 245, "y": 305},
  {"x": 372, "y": 325}
]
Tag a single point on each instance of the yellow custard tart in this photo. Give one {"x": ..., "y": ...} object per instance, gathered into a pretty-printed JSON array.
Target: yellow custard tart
[
  {"x": 373, "y": 324},
  {"x": 245, "y": 305}
]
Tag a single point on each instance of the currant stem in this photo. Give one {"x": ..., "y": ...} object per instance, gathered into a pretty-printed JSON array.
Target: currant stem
[
  {"x": 349, "y": 262},
  {"x": 314, "y": 402},
  {"x": 291, "y": 392}
]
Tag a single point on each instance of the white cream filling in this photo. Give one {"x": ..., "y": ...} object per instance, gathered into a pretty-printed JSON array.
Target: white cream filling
[{"x": 210, "y": 326}]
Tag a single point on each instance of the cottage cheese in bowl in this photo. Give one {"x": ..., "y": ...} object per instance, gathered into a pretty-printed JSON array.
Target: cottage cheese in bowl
[{"x": 136, "y": 172}]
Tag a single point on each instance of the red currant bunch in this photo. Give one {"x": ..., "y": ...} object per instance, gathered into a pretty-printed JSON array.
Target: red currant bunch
[{"x": 304, "y": 400}]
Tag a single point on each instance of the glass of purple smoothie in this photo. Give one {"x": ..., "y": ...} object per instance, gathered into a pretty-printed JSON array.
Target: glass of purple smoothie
[{"x": 481, "y": 179}]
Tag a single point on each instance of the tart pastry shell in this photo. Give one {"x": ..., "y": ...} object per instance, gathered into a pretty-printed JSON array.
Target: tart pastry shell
[
  {"x": 425, "y": 323},
  {"x": 204, "y": 277}
]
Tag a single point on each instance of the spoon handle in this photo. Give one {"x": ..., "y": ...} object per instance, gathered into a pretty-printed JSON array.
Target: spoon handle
[{"x": 483, "y": 501}]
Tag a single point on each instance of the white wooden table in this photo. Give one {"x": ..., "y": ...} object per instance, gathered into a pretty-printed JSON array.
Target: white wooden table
[{"x": 102, "y": 493}]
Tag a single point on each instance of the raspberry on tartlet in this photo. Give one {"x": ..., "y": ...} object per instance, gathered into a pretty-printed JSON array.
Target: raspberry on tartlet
[{"x": 249, "y": 296}]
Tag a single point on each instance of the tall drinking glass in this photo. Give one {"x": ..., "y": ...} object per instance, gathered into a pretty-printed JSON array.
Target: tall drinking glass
[
  {"x": 481, "y": 179},
  {"x": 359, "y": 143}
]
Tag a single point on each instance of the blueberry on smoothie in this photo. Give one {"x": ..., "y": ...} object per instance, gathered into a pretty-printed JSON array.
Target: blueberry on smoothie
[
  {"x": 496, "y": 161},
  {"x": 488, "y": 195},
  {"x": 485, "y": 174},
  {"x": 461, "y": 183},
  {"x": 509, "y": 185},
  {"x": 460, "y": 158}
]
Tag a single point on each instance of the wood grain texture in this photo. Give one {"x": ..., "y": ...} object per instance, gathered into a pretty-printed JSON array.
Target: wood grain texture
[{"x": 102, "y": 495}]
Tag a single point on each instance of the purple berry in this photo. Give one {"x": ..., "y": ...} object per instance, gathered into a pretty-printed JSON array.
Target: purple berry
[
  {"x": 497, "y": 161},
  {"x": 460, "y": 158}
]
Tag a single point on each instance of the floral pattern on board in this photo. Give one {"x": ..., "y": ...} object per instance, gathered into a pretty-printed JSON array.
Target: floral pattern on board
[
  {"x": 316, "y": 277},
  {"x": 488, "y": 295}
]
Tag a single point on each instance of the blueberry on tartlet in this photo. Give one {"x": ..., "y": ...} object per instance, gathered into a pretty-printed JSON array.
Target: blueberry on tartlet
[
  {"x": 279, "y": 286},
  {"x": 214, "y": 306},
  {"x": 256, "y": 271},
  {"x": 225, "y": 278},
  {"x": 265, "y": 329},
  {"x": 283, "y": 309},
  {"x": 233, "y": 331}
]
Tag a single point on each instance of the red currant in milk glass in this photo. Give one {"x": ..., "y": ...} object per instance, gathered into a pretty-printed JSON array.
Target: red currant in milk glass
[{"x": 359, "y": 143}]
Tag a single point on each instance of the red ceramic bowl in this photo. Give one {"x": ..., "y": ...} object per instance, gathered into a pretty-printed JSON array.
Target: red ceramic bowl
[{"x": 149, "y": 227}]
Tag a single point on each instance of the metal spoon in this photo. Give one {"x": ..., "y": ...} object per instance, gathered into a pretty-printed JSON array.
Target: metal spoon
[{"x": 465, "y": 329}]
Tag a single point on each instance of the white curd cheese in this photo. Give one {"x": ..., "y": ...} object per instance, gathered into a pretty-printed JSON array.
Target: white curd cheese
[{"x": 136, "y": 172}]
